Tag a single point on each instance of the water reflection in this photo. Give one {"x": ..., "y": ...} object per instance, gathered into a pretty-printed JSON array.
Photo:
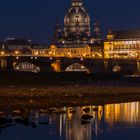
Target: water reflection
[{"x": 70, "y": 123}]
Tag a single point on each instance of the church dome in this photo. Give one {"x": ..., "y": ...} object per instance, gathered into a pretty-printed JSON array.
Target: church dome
[
  {"x": 77, "y": 14},
  {"x": 77, "y": 18}
]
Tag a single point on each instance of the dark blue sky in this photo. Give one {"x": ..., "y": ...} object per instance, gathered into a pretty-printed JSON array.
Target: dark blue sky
[{"x": 35, "y": 19}]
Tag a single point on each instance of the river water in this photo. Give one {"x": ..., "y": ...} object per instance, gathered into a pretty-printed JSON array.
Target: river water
[{"x": 108, "y": 122}]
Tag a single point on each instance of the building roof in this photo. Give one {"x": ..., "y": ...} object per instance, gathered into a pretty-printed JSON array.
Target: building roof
[
  {"x": 39, "y": 46},
  {"x": 126, "y": 34},
  {"x": 17, "y": 42}
]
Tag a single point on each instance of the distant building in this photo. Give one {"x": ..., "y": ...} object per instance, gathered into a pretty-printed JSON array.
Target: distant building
[
  {"x": 122, "y": 45},
  {"x": 40, "y": 50},
  {"x": 17, "y": 46}
]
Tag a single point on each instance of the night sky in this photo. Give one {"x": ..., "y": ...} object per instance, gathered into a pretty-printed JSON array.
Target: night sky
[{"x": 35, "y": 19}]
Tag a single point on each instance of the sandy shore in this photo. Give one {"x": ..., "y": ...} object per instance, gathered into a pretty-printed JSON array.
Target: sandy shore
[
  {"x": 66, "y": 95},
  {"x": 47, "y": 90},
  {"x": 85, "y": 91}
]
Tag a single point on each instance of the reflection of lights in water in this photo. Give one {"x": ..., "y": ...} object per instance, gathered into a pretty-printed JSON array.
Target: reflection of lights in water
[
  {"x": 111, "y": 117},
  {"x": 127, "y": 113},
  {"x": 60, "y": 129}
]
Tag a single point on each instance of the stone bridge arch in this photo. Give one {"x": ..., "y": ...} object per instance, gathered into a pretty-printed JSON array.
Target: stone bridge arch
[
  {"x": 123, "y": 66},
  {"x": 117, "y": 68},
  {"x": 77, "y": 67},
  {"x": 26, "y": 67}
]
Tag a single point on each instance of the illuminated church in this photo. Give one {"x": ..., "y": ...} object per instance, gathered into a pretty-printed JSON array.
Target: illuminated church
[
  {"x": 77, "y": 28},
  {"x": 76, "y": 39}
]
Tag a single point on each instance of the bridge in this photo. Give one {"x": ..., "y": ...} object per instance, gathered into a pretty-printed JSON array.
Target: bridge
[{"x": 66, "y": 64}]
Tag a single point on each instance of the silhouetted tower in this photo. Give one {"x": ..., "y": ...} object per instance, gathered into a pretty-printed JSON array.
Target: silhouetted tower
[
  {"x": 57, "y": 31},
  {"x": 97, "y": 30}
]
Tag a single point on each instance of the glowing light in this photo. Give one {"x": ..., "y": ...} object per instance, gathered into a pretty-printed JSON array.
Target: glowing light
[
  {"x": 16, "y": 52},
  {"x": 2, "y": 53},
  {"x": 69, "y": 54},
  {"x": 36, "y": 53},
  {"x": 17, "y": 68},
  {"x": 99, "y": 55}
]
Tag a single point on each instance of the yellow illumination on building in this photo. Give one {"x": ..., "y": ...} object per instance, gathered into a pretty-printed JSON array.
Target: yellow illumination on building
[
  {"x": 56, "y": 66},
  {"x": 36, "y": 53},
  {"x": 69, "y": 52},
  {"x": 122, "y": 45}
]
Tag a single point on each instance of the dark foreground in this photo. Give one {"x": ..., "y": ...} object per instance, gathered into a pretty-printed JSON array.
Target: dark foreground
[
  {"x": 54, "y": 106},
  {"x": 25, "y": 90}
]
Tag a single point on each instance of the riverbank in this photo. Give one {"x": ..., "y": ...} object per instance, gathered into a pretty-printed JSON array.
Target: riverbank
[
  {"x": 31, "y": 90},
  {"x": 78, "y": 95}
]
